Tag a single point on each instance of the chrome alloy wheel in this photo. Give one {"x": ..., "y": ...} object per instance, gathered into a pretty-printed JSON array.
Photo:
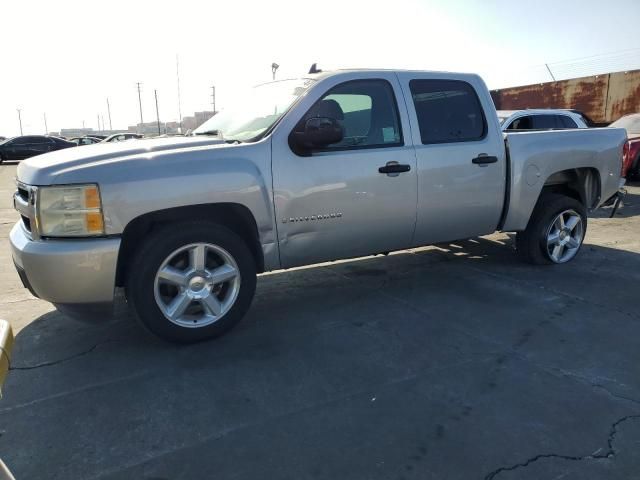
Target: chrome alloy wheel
[
  {"x": 197, "y": 285},
  {"x": 565, "y": 236}
]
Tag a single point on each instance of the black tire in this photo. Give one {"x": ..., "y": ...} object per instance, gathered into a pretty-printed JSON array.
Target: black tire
[
  {"x": 157, "y": 247},
  {"x": 634, "y": 172},
  {"x": 531, "y": 244}
]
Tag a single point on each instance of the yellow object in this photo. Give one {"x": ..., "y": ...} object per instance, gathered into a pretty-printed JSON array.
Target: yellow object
[
  {"x": 94, "y": 222},
  {"x": 6, "y": 346},
  {"x": 91, "y": 197}
]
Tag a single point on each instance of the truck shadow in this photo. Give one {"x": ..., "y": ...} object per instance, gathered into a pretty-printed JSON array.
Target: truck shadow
[{"x": 299, "y": 302}]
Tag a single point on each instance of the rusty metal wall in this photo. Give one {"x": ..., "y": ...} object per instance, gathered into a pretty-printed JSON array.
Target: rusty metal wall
[{"x": 603, "y": 98}]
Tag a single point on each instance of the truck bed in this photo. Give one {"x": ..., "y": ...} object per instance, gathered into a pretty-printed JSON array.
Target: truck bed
[{"x": 535, "y": 156}]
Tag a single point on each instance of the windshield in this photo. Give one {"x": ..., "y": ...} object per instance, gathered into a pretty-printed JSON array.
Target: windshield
[
  {"x": 631, "y": 123},
  {"x": 255, "y": 111}
]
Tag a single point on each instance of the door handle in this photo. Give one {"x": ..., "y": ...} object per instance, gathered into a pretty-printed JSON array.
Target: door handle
[
  {"x": 484, "y": 159},
  {"x": 394, "y": 167}
]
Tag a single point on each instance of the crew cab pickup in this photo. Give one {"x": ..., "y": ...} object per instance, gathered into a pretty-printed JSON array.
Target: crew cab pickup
[{"x": 334, "y": 165}]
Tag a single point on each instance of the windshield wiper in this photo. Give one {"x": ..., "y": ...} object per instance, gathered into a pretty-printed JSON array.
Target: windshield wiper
[{"x": 232, "y": 140}]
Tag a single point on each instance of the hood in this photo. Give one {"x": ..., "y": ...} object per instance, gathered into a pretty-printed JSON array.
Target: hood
[{"x": 42, "y": 169}]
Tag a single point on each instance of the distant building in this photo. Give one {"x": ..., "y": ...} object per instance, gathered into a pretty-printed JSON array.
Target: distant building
[
  {"x": 198, "y": 118},
  {"x": 149, "y": 129},
  {"x": 602, "y": 98},
  {"x": 81, "y": 132}
]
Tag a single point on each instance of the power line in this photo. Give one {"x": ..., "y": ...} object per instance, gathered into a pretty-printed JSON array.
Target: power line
[{"x": 617, "y": 52}]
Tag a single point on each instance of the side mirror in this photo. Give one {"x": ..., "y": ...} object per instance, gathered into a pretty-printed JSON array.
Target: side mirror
[{"x": 318, "y": 132}]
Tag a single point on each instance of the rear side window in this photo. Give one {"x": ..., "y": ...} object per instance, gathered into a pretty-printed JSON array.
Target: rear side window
[
  {"x": 546, "y": 122},
  {"x": 36, "y": 140},
  {"x": 567, "y": 122},
  {"x": 521, "y": 123},
  {"x": 448, "y": 111}
]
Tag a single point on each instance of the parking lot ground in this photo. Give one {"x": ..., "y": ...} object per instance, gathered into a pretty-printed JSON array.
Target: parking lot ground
[{"x": 448, "y": 362}]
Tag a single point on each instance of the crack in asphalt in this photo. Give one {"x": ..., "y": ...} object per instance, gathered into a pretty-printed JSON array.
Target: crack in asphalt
[
  {"x": 62, "y": 360},
  {"x": 611, "y": 452},
  {"x": 550, "y": 370}
]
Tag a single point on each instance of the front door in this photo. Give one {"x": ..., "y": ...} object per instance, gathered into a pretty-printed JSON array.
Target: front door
[{"x": 347, "y": 199}]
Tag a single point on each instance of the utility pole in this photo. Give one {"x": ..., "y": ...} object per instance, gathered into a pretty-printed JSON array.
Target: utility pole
[
  {"x": 155, "y": 92},
  {"x": 83, "y": 124},
  {"x": 46, "y": 129},
  {"x": 213, "y": 98},
  {"x": 98, "y": 115},
  {"x": 109, "y": 111},
  {"x": 140, "y": 103},
  {"x": 102, "y": 118},
  {"x": 179, "y": 103},
  {"x": 20, "y": 119},
  {"x": 550, "y": 73}
]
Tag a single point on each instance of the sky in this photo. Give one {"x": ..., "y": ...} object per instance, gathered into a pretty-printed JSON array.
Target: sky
[{"x": 65, "y": 58}]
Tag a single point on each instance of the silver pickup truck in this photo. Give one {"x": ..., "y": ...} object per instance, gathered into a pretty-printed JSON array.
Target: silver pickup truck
[{"x": 334, "y": 165}]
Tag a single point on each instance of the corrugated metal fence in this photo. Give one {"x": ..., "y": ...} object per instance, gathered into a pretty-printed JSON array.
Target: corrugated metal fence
[{"x": 603, "y": 98}]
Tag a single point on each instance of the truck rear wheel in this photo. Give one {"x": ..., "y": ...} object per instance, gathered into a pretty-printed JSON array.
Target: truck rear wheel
[
  {"x": 192, "y": 281},
  {"x": 555, "y": 231}
]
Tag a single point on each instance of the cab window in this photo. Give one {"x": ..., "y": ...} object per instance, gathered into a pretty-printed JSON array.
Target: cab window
[
  {"x": 367, "y": 112},
  {"x": 448, "y": 111}
]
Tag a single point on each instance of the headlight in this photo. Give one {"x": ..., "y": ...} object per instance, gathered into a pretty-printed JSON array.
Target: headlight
[{"x": 70, "y": 211}]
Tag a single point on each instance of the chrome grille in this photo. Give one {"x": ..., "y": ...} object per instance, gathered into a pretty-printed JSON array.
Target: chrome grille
[
  {"x": 23, "y": 192},
  {"x": 24, "y": 203}
]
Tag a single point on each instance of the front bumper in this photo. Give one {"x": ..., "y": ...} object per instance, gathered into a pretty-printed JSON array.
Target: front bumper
[{"x": 73, "y": 271}]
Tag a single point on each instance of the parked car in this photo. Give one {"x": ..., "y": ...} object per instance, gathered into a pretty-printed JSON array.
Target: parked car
[
  {"x": 540, "y": 119},
  {"x": 335, "y": 165},
  {"x": 631, "y": 123},
  {"x": 19, "y": 148},
  {"x": 121, "y": 137},
  {"x": 85, "y": 140},
  {"x": 97, "y": 135}
]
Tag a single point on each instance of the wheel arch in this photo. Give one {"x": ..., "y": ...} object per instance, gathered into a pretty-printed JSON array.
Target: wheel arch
[
  {"x": 583, "y": 183},
  {"x": 234, "y": 216}
]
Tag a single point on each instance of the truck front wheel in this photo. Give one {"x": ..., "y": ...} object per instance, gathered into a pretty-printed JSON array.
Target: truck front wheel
[
  {"x": 191, "y": 281},
  {"x": 555, "y": 231}
]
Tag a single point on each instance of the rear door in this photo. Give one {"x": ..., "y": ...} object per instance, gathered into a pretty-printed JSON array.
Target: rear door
[
  {"x": 460, "y": 154},
  {"x": 34, "y": 145},
  {"x": 13, "y": 149}
]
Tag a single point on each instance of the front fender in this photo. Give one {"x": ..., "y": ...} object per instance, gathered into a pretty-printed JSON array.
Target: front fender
[{"x": 137, "y": 185}]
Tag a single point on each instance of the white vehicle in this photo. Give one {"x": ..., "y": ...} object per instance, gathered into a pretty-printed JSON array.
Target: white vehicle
[{"x": 540, "y": 119}]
